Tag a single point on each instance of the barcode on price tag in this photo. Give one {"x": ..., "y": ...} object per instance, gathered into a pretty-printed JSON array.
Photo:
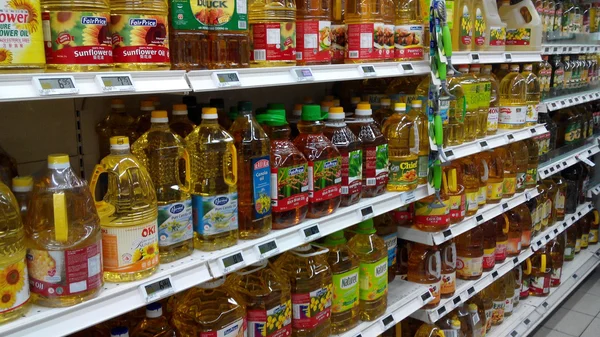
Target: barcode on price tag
[
  {"x": 55, "y": 85},
  {"x": 112, "y": 83},
  {"x": 311, "y": 233},
  {"x": 233, "y": 262},
  {"x": 158, "y": 289},
  {"x": 267, "y": 249}
]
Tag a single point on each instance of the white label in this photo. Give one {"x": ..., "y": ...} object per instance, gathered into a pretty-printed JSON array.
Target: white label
[
  {"x": 55, "y": 85},
  {"x": 236, "y": 329},
  {"x": 273, "y": 36},
  {"x": 158, "y": 289},
  {"x": 133, "y": 248},
  {"x": 492, "y": 121},
  {"x": 408, "y": 197},
  {"x": 112, "y": 83},
  {"x": 233, "y": 262},
  {"x": 311, "y": 233},
  {"x": 175, "y": 223},
  {"x": 512, "y": 115}
]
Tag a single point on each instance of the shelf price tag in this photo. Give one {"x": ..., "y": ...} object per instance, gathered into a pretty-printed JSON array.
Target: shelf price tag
[
  {"x": 387, "y": 322},
  {"x": 267, "y": 249},
  {"x": 226, "y": 79},
  {"x": 474, "y": 57},
  {"x": 115, "y": 83},
  {"x": 367, "y": 70},
  {"x": 302, "y": 74},
  {"x": 507, "y": 57},
  {"x": 158, "y": 289},
  {"x": 425, "y": 297},
  {"x": 494, "y": 274},
  {"x": 311, "y": 233},
  {"x": 510, "y": 137},
  {"x": 586, "y": 160},
  {"x": 406, "y": 68},
  {"x": 514, "y": 333},
  {"x": 233, "y": 262},
  {"x": 408, "y": 197},
  {"x": 367, "y": 212},
  {"x": 484, "y": 145},
  {"x": 55, "y": 85},
  {"x": 479, "y": 218}
]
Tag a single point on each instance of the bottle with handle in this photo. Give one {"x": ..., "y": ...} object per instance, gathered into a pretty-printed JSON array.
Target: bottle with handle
[
  {"x": 448, "y": 252},
  {"x": 425, "y": 267}
]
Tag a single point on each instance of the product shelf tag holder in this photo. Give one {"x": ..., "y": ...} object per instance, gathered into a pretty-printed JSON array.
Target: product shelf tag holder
[
  {"x": 474, "y": 58},
  {"x": 267, "y": 249},
  {"x": 55, "y": 85},
  {"x": 226, "y": 79},
  {"x": 115, "y": 83},
  {"x": 233, "y": 262},
  {"x": 507, "y": 57},
  {"x": 302, "y": 74},
  {"x": 406, "y": 68},
  {"x": 367, "y": 212},
  {"x": 158, "y": 289},
  {"x": 367, "y": 70},
  {"x": 387, "y": 322},
  {"x": 408, "y": 197},
  {"x": 311, "y": 233}
]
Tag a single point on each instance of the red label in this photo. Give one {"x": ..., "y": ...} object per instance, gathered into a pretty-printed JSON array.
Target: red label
[
  {"x": 141, "y": 54},
  {"x": 313, "y": 41},
  {"x": 140, "y": 38},
  {"x": 460, "y": 211},
  {"x": 306, "y": 316},
  {"x": 438, "y": 220},
  {"x": 325, "y": 179},
  {"x": 466, "y": 39},
  {"x": 540, "y": 285},
  {"x": 289, "y": 187},
  {"x": 275, "y": 322},
  {"x": 338, "y": 43},
  {"x": 360, "y": 42},
  {"x": 489, "y": 260},
  {"x": 501, "y": 251},
  {"x": 372, "y": 175},
  {"x": 555, "y": 277},
  {"x": 270, "y": 44},
  {"x": 404, "y": 214}
]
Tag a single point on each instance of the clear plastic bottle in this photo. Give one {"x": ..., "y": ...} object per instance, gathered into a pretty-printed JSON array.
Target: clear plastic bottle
[
  {"x": 21, "y": 188},
  {"x": 62, "y": 222},
  {"x": 510, "y": 171},
  {"x": 484, "y": 94},
  {"x": 154, "y": 324},
  {"x": 470, "y": 86},
  {"x": 162, "y": 153},
  {"x": 470, "y": 178},
  {"x": 557, "y": 253},
  {"x": 520, "y": 153},
  {"x": 360, "y": 17},
  {"x": 384, "y": 112},
  {"x": 429, "y": 330},
  {"x": 497, "y": 292},
  {"x": 532, "y": 94},
  {"x": 561, "y": 195},
  {"x": 117, "y": 123},
  {"x": 493, "y": 97},
  {"x": 449, "y": 263},
  {"x": 408, "y": 31},
  {"x": 180, "y": 123},
  {"x": 515, "y": 232},
  {"x": 313, "y": 32},
  {"x": 541, "y": 268},
  {"x": 509, "y": 288},
  {"x": 425, "y": 267},
  {"x": 502, "y": 229},
  {"x": 143, "y": 120},
  {"x": 513, "y": 103},
  {"x": 461, "y": 25},
  {"x": 421, "y": 125},
  {"x": 399, "y": 130},
  {"x": 454, "y": 132},
  {"x": 279, "y": 17},
  {"x": 470, "y": 252},
  {"x": 338, "y": 33},
  {"x": 489, "y": 243},
  {"x": 494, "y": 167},
  {"x": 531, "y": 176},
  {"x": 387, "y": 230},
  {"x": 213, "y": 179}
]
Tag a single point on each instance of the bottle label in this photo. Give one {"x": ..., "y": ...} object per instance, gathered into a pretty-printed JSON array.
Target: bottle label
[
  {"x": 449, "y": 13},
  {"x": 495, "y": 190},
  {"x": 472, "y": 204},
  {"x": 559, "y": 77},
  {"x": 273, "y": 41},
  {"x": 403, "y": 215},
  {"x": 139, "y": 38},
  {"x": 376, "y": 165},
  {"x": 236, "y": 329},
  {"x": 423, "y": 166},
  {"x": 540, "y": 216},
  {"x": 77, "y": 37},
  {"x": 482, "y": 196},
  {"x": 403, "y": 172},
  {"x": 593, "y": 237},
  {"x": 508, "y": 306},
  {"x": 539, "y": 285},
  {"x": 489, "y": 258},
  {"x": 466, "y": 27},
  {"x": 205, "y": 15},
  {"x": 373, "y": 280},
  {"x": 22, "y": 36},
  {"x": 261, "y": 187},
  {"x": 313, "y": 41},
  {"x": 15, "y": 286},
  {"x": 130, "y": 249},
  {"x": 571, "y": 133},
  {"x": 345, "y": 291},
  {"x": 531, "y": 176},
  {"x": 547, "y": 212},
  {"x": 384, "y": 40},
  {"x": 338, "y": 43},
  {"x": 215, "y": 214},
  {"x": 351, "y": 172},
  {"x": 518, "y": 36},
  {"x": 59, "y": 273},
  {"x": 175, "y": 223},
  {"x": 555, "y": 277},
  {"x": 409, "y": 42},
  {"x": 479, "y": 28},
  {"x": 312, "y": 309},
  {"x": 585, "y": 240},
  {"x": 435, "y": 289},
  {"x": 391, "y": 242},
  {"x": 509, "y": 186},
  {"x": 501, "y": 250},
  {"x": 498, "y": 314},
  {"x": 513, "y": 246},
  {"x": 324, "y": 179},
  {"x": 569, "y": 253},
  {"x": 489, "y": 313},
  {"x": 432, "y": 216},
  {"x": 521, "y": 176},
  {"x": 512, "y": 115},
  {"x": 360, "y": 41},
  {"x": 274, "y": 322},
  {"x": 497, "y": 36},
  {"x": 289, "y": 187},
  {"x": 525, "y": 287},
  {"x": 526, "y": 238},
  {"x": 448, "y": 285},
  {"x": 457, "y": 206},
  {"x": 471, "y": 96},
  {"x": 532, "y": 113},
  {"x": 469, "y": 266},
  {"x": 486, "y": 95}
]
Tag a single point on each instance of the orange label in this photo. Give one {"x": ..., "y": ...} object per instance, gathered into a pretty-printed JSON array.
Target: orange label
[
  {"x": 130, "y": 249},
  {"x": 448, "y": 283}
]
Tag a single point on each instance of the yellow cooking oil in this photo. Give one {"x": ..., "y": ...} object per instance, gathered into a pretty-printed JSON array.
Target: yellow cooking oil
[
  {"x": 483, "y": 99},
  {"x": 63, "y": 237},
  {"x": 163, "y": 154},
  {"x": 272, "y": 33},
  {"x": 310, "y": 277},
  {"x": 399, "y": 129},
  {"x": 408, "y": 31},
  {"x": 430, "y": 330},
  {"x": 520, "y": 153},
  {"x": 470, "y": 177},
  {"x": 532, "y": 94},
  {"x": 513, "y": 104},
  {"x": 372, "y": 253},
  {"x": 128, "y": 215},
  {"x": 422, "y": 133},
  {"x": 494, "y": 162},
  {"x": 470, "y": 87},
  {"x": 456, "y": 191},
  {"x": 454, "y": 133},
  {"x": 13, "y": 268},
  {"x": 460, "y": 22},
  {"x": 213, "y": 179},
  {"x": 509, "y": 186}
]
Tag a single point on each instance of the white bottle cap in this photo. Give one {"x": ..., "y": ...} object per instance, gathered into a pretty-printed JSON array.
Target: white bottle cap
[
  {"x": 154, "y": 310},
  {"x": 363, "y": 109},
  {"x": 119, "y": 331}
]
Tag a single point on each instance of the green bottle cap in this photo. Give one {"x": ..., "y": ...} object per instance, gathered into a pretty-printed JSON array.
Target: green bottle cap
[
  {"x": 366, "y": 227},
  {"x": 233, "y": 113},
  {"x": 335, "y": 238},
  {"x": 272, "y": 117},
  {"x": 312, "y": 112},
  {"x": 276, "y": 106},
  {"x": 244, "y": 106}
]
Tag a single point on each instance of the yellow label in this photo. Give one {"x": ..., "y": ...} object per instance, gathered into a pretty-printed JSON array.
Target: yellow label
[
  {"x": 510, "y": 185},
  {"x": 61, "y": 226},
  {"x": 494, "y": 190},
  {"x": 482, "y": 196},
  {"x": 21, "y": 37},
  {"x": 472, "y": 203}
]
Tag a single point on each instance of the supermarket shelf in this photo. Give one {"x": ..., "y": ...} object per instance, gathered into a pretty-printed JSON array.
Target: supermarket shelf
[
  {"x": 18, "y": 87},
  {"x": 117, "y": 299},
  {"x": 404, "y": 298},
  {"x": 570, "y": 158},
  {"x": 559, "y": 49},
  {"x": 484, "y": 214},
  {"x": 466, "y": 289},
  {"x": 486, "y": 57},
  {"x": 565, "y": 101},
  {"x": 203, "y": 80},
  {"x": 501, "y": 138},
  {"x": 593, "y": 190}
]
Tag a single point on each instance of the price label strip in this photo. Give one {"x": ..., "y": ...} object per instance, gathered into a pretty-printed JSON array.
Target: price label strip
[
  {"x": 233, "y": 262},
  {"x": 226, "y": 79},
  {"x": 157, "y": 290},
  {"x": 484, "y": 145},
  {"x": 267, "y": 249},
  {"x": 115, "y": 83},
  {"x": 508, "y": 57},
  {"x": 302, "y": 74},
  {"x": 55, "y": 85},
  {"x": 408, "y": 197},
  {"x": 311, "y": 233},
  {"x": 474, "y": 58}
]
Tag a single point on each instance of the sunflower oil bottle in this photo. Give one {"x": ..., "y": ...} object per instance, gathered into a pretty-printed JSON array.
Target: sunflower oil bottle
[
  {"x": 399, "y": 130},
  {"x": 489, "y": 243},
  {"x": 431, "y": 215},
  {"x": 63, "y": 238},
  {"x": 211, "y": 307},
  {"x": 213, "y": 179},
  {"x": 310, "y": 277},
  {"x": 520, "y": 154},
  {"x": 408, "y": 31},
  {"x": 541, "y": 268},
  {"x": 513, "y": 247},
  {"x": 13, "y": 269},
  {"x": 267, "y": 295},
  {"x": 365, "y": 32},
  {"x": 154, "y": 324},
  {"x": 509, "y": 288},
  {"x": 425, "y": 267},
  {"x": 117, "y": 123},
  {"x": 454, "y": 132},
  {"x": 492, "y": 97},
  {"x": 278, "y": 17},
  {"x": 456, "y": 191},
  {"x": 470, "y": 85},
  {"x": 128, "y": 215},
  {"x": 483, "y": 97},
  {"x": 494, "y": 28},
  {"x": 494, "y": 164},
  {"x": 532, "y": 94},
  {"x": 523, "y": 26},
  {"x": 449, "y": 262},
  {"x": 460, "y": 16},
  {"x": 502, "y": 229},
  {"x": 422, "y": 145},
  {"x": 345, "y": 275},
  {"x": 180, "y": 124},
  {"x": 384, "y": 112},
  {"x": 23, "y": 42},
  {"x": 313, "y": 32},
  {"x": 470, "y": 252},
  {"x": 162, "y": 153},
  {"x": 482, "y": 168},
  {"x": 513, "y": 101},
  {"x": 21, "y": 188},
  {"x": 143, "y": 120},
  {"x": 470, "y": 178}
]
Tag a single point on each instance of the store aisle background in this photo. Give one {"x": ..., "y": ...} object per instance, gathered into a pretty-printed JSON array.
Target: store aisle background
[{"x": 578, "y": 315}]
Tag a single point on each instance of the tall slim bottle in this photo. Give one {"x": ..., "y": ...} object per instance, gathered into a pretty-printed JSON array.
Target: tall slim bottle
[
  {"x": 400, "y": 131},
  {"x": 532, "y": 94},
  {"x": 513, "y": 104},
  {"x": 421, "y": 124},
  {"x": 494, "y": 98}
]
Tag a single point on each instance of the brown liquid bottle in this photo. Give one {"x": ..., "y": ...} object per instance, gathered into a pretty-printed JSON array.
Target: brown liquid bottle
[
  {"x": 541, "y": 268},
  {"x": 469, "y": 249},
  {"x": 544, "y": 206},
  {"x": 524, "y": 219},
  {"x": 557, "y": 253},
  {"x": 448, "y": 251},
  {"x": 456, "y": 191},
  {"x": 425, "y": 267},
  {"x": 402, "y": 259},
  {"x": 552, "y": 190},
  {"x": 594, "y": 223},
  {"x": 561, "y": 195},
  {"x": 509, "y": 186},
  {"x": 513, "y": 248},
  {"x": 495, "y": 175},
  {"x": 521, "y": 154},
  {"x": 585, "y": 225},
  {"x": 489, "y": 243},
  {"x": 525, "y": 278},
  {"x": 570, "y": 243},
  {"x": 502, "y": 229},
  {"x": 579, "y": 231},
  {"x": 470, "y": 177}
]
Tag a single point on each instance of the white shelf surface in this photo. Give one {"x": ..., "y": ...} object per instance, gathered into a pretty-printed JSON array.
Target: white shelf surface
[
  {"x": 564, "y": 101},
  {"x": 560, "y": 49},
  {"x": 116, "y": 299},
  {"x": 466, "y": 289},
  {"x": 487, "y": 57},
  {"x": 501, "y": 138},
  {"x": 484, "y": 214},
  {"x": 570, "y": 158}
]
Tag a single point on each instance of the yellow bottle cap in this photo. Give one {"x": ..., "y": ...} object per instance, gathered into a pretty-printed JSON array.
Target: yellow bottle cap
[
  {"x": 336, "y": 112},
  {"x": 363, "y": 106},
  {"x": 209, "y": 113},
  {"x": 180, "y": 109},
  {"x": 58, "y": 161},
  {"x": 417, "y": 103},
  {"x": 119, "y": 142},
  {"x": 22, "y": 184},
  {"x": 336, "y": 109},
  {"x": 117, "y": 103},
  {"x": 400, "y": 106},
  {"x": 159, "y": 116},
  {"x": 146, "y": 105}
]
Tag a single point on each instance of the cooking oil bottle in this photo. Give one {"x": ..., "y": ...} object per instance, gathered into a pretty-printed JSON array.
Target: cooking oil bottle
[
  {"x": 15, "y": 285},
  {"x": 509, "y": 287},
  {"x": 277, "y": 49},
  {"x": 384, "y": 112},
  {"x": 154, "y": 324},
  {"x": 470, "y": 250},
  {"x": 455, "y": 131},
  {"x": 482, "y": 167},
  {"x": 311, "y": 284},
  {"x": 143, "y": 120},
  {"x": 324, "y": 163},
  {"x": 253, "y": 171},
  {"x": 128, "y": 215},
  {"x": 497, "y": 292},
  {"x": 524, "y": 218},
  {"x": 532, "y": 94},
  {"x": 180, "y": 123},
  {"x": 531, "y": 176},
  {"x": 431, "y": 215},
  {"x": 494, "y": 98},
  {"x": 594, "y": 224},
  {"x": 520, "y": 153},
  {"x": 502, "y": 229},
  {"x": 552, "y": 190},
  {"x": 470, "y": 87},
  {"x": 429, "y": 330},
  {"x": 399, "y": 130},
  {"x": 489, "y": 243},
  {"x": 313, "y": 33},
  {"x": 513, "y": 247},
  {"x": 267, "y": 294},
  {"x": 541, "y": 267},
  {"x": 495, "y": 175},
  {"x": 117, "y": 123},
  {"x": 510, "y": 171},
  {"x": 425, "y": 267},
  {"x": 8, "y": 168},
  {"x": 408, "y": 31},
  {"x": 557, "y": 253},
  {"x": 513, "y": 101},
  {"x": 363, "y": 17},
  {"x": 456, "y": 191},
  {"x": 338, "y": 32},
  {"x": 372, "y": 253},
  {"x": 213, "y": 179},
  {"x": 570, "y": 243},
  {"x": 487, "y": 305},
  {"x": 449, "y": 263},
  {"x": 63, "y": 237},
  {"x": 210, "y": 306},
  {"x": 422, "y": 145},
  {"x": 345, "y": 269},
  {"x": 21, "y": 188},
  {"x": 462, "y": 20},
  {"x": 483, "y": 98},
  {"x": 470, "y": 178},
  {"x": 162, "y": 152},
  {"x": 387, "y": 230}
]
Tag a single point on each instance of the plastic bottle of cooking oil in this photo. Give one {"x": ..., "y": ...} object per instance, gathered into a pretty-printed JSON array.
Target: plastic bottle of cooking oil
[
  {"x": 278, "y": 17},
  {"x": 211, "y": 306},
  {"x": 408, "y": 31},
  {"x": 502, "y": 229},
  {"x": 81, "y": 41},
  {"x": 21, "y": 188},
  {"x": 557, "y": 253},
  {"x": 510, "y": 171},
  {"x": 188, "y": 35},
  {"x": 313, "y": 32},
  {"x": 485, "y": 304},
  {"x": 180, "y": 123},
  {"x": 594, "y": 222},
  {"x": 482, "y": 167},
  {"x": 484, "y": 94},
  {"x": 387, "y": 230},
  {"x": 384, "y": 112},
  {"x": 513, "y": 101},
  {"x": 213, "y": 179},
  {"x": 422, "y": 145},
  {"x": 253, "y": 171},
  {"x": 312, "y": 289},
  {"x": 425, "y": 267},
  {"x": 449, "y": 263},
  {"x": 520, "y": 153},
  {"x": 324, "y": 163},
  {"x": 552, "y": 190},
  {"x": 513, "y": 248},
  {"x": 470, "y": 249},
  {"x": 345, "y": 269},
  {"x": 509, "y": 288},
  {"x": 162, "y": 153},
  {"x": 454, "y": 133},
  {"x": 494, "y": 167},
  {"x": 117, "y": 123},
  {"x": 361, "y": 17},
  {"x": 532, "y": 163},
  {"x": 429, "y": 330},
  {"x": 431, "y": 215},
  {"x": 338, "y": 32},
  {"x": 461, "y": 25},
  {"x": 469, "y": 84},
  {"x": 15, "y": 285},
  {"x": 456, "y": 191},
  {"x": 524, "y": 25},
  {"x": 497, "y": 292},
  {"x": 532, "y": 94},
  {"x": 143, "y": 120},
  {"x": 480, "y": 37},
  {"x": 495, "y": 29},
  {"x": 399, "y": 130},
  {"x": 541, "y": 268},
  {"x": 524, "y": 218},
  {"x": 128, "y": 215},
  {"x": 267, "y": 294},
  {"x": 470, "y": 178},
  {"x": 63, "y": 237},
  {"x": 154, "y": 324},
  {"x": 489, "y": 243},
  {"x": 372, "y": 253}
]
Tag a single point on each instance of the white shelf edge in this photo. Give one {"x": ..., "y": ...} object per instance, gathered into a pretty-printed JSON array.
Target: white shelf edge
[
  {"x": 487, "y": 57},
  {"x": 594, "y": 190},
  {"x": 559, "y": 49},
  {"x": 569, "y": 160},
  {"x": 565, "y": 101}
]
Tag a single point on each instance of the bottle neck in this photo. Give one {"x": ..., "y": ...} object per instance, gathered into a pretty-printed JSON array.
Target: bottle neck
[
  {"x": 120, "y": 152},
  {"x": 336, "y": 123},
  {"x": 210, "y": 121},
  {"x": 159, "y": 126}
]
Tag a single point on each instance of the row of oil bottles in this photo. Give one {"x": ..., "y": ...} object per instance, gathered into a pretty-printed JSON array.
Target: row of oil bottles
[{"x": 564, "y": 19}]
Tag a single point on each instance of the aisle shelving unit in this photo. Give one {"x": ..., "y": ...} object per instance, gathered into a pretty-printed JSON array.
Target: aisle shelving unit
[
  {"x": 568, "y": 159},
  {"x": 565, "y": 101}
]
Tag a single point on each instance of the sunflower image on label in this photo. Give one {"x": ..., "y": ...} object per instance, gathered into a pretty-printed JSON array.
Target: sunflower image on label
[
  {"x": 497, "y": 36},
  {"x": 273, "y": 322},
  {"x": 130, "y": 249},
  {"x": 338, "y": 43},
  {"x": 311, "y": 309},
  {"x": 532, "y": 113},
  {"x": 509, "y": 186},
  {"x": 235, "y": 329},
  {"x": 313, "y": 40},
  {"x": 175, "y": 223},
  {"x": 65, "y": 272},
  {"x": 324, "y": 179},
  {"x": 273, "y": 41},
  {"x": 345, "y": 291},
  {"x": 261, "y": 187},
  {"x": 518, "y": 36},
  {"x": 77, "y": 37},
  {"x": 215, "y": 214},
  {"x": 139, "y": 38},
  {"x": 403, "y": 172},
  {"x": 480, "y": 28},
  {"x": 22, "y": 39},
  {"x": 14, "y": 286},
  {"x": 373, "y": 279},
  {"x": 408, "y": 42},
  {"x": 466, "y": 27},
  {"x": 424, "y": 213},
  {"x": 289, "y": 187},
  {"x": 351, "y": 172}
]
